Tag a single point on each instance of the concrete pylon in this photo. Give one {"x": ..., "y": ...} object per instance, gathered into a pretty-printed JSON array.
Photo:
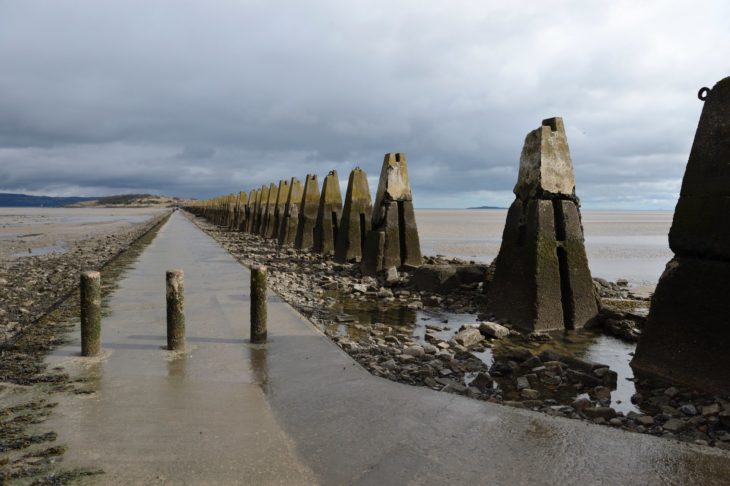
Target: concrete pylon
[
  {"x": 393, "y": 216},
  {"x": 328, "y": 215},
  {"x": 307, "y": 214},
  {"x": 542, "y": 281},
  {"x": 282, "y": 193},
  {"x": 261, "y": 209},
  {"x": 241, "y": 224},
  {"x": 251, "y": 211},
  {"x": 355, "y": 220},
  {"x": 269, "y": 211},
  {"x": 290, "y": 221},
  {"x": 687, "y": 334}
]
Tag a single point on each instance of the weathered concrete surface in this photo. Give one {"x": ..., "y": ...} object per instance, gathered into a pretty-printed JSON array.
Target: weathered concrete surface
[
  {"x": 261, "y": 201},
  {"x": 446, "y": 278},
  {"x": 90, "y": 306},
  {"x": 356, "y": 218},
  {"x": 394, "y": 217},
  {"x": 267, "y": 218},
  {"x": 328, "y": 215},
  {"x": 175, "y": 284},
  {"x": 300, "y": 411},
  {"x": 687, "y": 335},
  {"x": 290, "y": 221},
  {"x": 245, "y": 199},
  {"x": 240, "y": 221},
  {"x": 199, "y": 417},
  {"x": 542, "y": 280},
  {"x": 283, "y": 192},
  {"x": 545, "y": 164},
  {"x": 251, "y": 211},
  {"x": 307, "y": 214}
]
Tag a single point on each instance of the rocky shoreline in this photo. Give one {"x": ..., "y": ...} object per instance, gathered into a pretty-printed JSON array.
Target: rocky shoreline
[
  {"x": 39, "y": 306},
  {"x": 482, "y": 359}
]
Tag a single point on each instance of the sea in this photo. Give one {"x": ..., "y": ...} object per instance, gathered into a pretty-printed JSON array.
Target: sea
[{"x": 631, "y": 245}]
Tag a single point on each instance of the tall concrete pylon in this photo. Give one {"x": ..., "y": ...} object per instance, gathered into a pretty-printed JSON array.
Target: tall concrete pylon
[
  {"x": 328, "y": 215},
  {"x": 355, "y": 220},
  {"x": 687, "y": 334},
  {"x": 241, "y": 201},
  {"x": 393, "y": 240},
  {"x": 269, "y": 210},
  {"x": 242, "y": 212},
  {"x": 274, "y": 226},
  {"x": 542, "y": 281},
  {"x": 307, "y": 214},
  {"x": 290, "y": 221},
  {"x": 261, "y": 208},
  {"x": 251, "y": 210}
]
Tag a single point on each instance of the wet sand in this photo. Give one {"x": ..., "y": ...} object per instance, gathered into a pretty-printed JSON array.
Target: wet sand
[
  {"x": 55, "y": 230},
  {"x": 620, "y": 244}
]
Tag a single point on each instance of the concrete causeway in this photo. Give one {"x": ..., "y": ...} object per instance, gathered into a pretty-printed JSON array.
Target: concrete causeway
[{"x": 298, "y": 410}]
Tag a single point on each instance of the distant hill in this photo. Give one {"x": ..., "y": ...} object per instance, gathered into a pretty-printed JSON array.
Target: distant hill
[
  {"x": 127, "y": 200},
  {"x": 9, "y": 200},
  {"x": 486, "y": 207},
  {"x": 130, "y": 200}
]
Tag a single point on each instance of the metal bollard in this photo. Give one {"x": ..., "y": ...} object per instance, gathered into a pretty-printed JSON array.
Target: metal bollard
[
  {"x": 90, "y": 313},
  {"x": 175, "y": 310},
  {"x": 258, "y": 304}
]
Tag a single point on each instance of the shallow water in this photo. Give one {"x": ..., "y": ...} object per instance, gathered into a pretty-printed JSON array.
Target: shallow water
[
  {"x": 583, "y": 344},
  {"x": 620, "y": 244},
  {"x": 42, "y": 250}
]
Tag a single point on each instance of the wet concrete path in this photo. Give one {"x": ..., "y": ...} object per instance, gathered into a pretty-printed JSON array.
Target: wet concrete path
[{"x": 300, "y": 411}]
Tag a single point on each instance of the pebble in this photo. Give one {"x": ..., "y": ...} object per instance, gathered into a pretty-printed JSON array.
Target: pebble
[
  {"x": 415, "y": 351},
  {"x": 675, "y": 425},
  {"x": 689, "y": 410},
  {"x": 522, "y": 383}
]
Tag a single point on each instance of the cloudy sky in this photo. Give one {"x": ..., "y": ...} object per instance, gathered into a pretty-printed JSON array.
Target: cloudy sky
[{"x": 199, "y": 98}]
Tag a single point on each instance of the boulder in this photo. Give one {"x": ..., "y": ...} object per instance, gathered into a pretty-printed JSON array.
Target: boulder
[
  {"x": 483, "y": 381},
  {"x": 493, "y": 330},
  {"x": 442, "y": 279},
  {"x": 469, "y": 337}
]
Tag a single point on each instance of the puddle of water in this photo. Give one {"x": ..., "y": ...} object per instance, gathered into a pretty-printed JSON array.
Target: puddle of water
[
  {"x": 584, "y": 344},
  {"x": 597, "y": 347},
  {"x": 41, "y": 251}
]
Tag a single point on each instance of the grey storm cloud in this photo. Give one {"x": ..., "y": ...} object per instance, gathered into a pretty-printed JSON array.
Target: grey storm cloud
[{"x": 196, "y": 98}]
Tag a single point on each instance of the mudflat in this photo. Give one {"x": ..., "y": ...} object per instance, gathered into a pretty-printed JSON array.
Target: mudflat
[{"x": 55, "y": 230}]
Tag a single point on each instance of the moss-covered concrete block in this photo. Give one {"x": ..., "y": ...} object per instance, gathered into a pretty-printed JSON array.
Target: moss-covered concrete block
[
  {"x": 307, "y": 214},
  {"x": 328, "y": 215},
  {"x": 356, "y": 218},
  {"x": 290, "y": 221}
]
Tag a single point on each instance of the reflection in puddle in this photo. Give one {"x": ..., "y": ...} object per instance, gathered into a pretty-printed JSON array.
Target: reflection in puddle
[
  {"x": 257, "y": 355},
  {"x": 356, "y": 316},
  {"x": 176, "y": 367}
]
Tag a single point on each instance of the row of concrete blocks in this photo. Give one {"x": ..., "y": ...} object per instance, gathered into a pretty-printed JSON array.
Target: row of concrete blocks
[{"x": 378, "y": 236}]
